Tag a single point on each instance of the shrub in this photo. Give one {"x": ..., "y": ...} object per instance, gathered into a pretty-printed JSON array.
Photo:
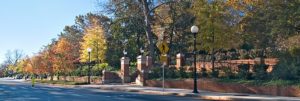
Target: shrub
[
  {"x": 84, "y": 70},
  {"x": 76, "y": 72},
  {"x": 204, "y": 72},
  {"x": 228, "y": 73},
  {"x": 260, "y": 71},
  {"x": 171, "y": 73},
  {"x": 288, "y": 67},
  {"x": 243, "y": 72},
  {"x": 132, "y": 67},
  {"x": 183, "y": 73},
  {"x": 215, "y": 73},
  {"x": 156, "y": 73},
  {"x": 97, "y": 70}
]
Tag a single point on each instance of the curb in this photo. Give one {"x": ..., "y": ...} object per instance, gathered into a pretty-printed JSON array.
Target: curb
[{"x": 169, "y": 93}]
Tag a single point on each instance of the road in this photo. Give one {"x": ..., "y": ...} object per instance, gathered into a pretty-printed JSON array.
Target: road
[{"x": 18, "y": 90}]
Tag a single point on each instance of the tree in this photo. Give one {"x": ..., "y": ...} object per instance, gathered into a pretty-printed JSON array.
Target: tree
[
  {"x": 216, "y": 26},
  {"x": 148, "y": 28},
  {"x": 12, "y": 60},
  {"x": 266, "y": 23},
  {"x": 28, "y": 68},
  {"x": 142, "y": 12},
  {"x": 95, "y": 39},
  {"x": 64, "y": 60},
  {"x": 73, "y": 35},
  {"x": 48, "y": 58}
]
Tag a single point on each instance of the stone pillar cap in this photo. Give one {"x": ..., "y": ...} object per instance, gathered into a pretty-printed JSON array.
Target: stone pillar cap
[
  {"x": 125, "y": 58},
  {"x": 141, "y": 56},
  {"x": 179, "y": 54}
]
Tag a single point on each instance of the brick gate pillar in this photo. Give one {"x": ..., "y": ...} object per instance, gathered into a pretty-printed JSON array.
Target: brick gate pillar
[
  {"x": 179, "y": 60},
  {"x": 142, "y": 70},
  {"x": 125, "y": 70}
]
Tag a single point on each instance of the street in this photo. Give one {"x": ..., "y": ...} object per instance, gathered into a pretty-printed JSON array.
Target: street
[{"x": 18, "y": 90}]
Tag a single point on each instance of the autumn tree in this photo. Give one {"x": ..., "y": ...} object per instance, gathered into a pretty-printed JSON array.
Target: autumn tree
[
  {"x": 95, "y": 39},
  {"x": 48, "y": 58},
  {"x": 74, "y": 33},
  {"x": 28, "y": 68},
  {"x": 64, "y": 61}
]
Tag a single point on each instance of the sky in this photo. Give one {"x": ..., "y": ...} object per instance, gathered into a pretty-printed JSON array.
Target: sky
[{"x": 27, "y": 25}]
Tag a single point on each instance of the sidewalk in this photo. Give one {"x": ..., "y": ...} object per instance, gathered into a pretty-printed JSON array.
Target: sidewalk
[{"x": 207, "y": 95}]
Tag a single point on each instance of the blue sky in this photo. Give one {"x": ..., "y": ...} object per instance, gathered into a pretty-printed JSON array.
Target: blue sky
[{"x": 29, "y": 24}]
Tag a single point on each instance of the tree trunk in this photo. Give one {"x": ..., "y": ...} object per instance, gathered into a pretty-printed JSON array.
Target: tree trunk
[
  {"x": 51, "y": 77},
  {"x": 148, "y": 27},
  {"x": 57, "y": 77},
  {"x": 65, "y": 78}
]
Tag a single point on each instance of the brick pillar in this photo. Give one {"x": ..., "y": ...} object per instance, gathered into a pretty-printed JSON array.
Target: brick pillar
[
  {"x": 179, "y": 60},
  {"x": 142, "y": 70},
  {"x": 105, "y": 77},
  {"x": 259, "y": 60},
  {"x": 125, "y": 70},
  {"x": 149, "y": 62}
]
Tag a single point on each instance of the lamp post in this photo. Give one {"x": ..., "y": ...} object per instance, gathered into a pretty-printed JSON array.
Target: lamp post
[
  {"x": 142, "y": 51},
  {"x": 194, "y": 30},
  {"x": 89, "y": 64},
  {"x": 125, "y": 44}
]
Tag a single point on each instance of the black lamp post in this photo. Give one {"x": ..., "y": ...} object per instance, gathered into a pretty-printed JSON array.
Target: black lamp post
[
  {"x": 194, "y": 30},
  {"x": 125, "y": 44},
  {"x": 89, "y": 64}
]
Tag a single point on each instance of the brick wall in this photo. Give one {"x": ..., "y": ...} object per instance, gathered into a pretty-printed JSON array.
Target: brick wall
[
  {"x": 271, "y": 62},
  {"x": 94, "y": 79},
  {"x": 111, "y": 77},
  {"x": 210, "y": 85}
]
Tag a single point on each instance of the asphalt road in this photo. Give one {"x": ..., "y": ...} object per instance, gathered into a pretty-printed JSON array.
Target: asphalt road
[{"x": 17, "y": 90}]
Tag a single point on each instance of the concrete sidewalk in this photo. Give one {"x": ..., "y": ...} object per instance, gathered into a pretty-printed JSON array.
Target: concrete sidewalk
[{"x": 207, "y": 95}]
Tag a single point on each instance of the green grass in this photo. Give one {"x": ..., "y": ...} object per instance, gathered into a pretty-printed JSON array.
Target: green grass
[
  {"x": 261, "y": 82},
  {"x": 61, "y": 82},
  {"x": 250, "y": 82}
]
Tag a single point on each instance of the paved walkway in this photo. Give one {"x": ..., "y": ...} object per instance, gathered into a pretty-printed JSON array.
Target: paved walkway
[{"x": 186, "y": 92}]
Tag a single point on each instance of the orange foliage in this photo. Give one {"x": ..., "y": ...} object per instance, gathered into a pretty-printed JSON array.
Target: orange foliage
[{"x": 63, "y": 62}]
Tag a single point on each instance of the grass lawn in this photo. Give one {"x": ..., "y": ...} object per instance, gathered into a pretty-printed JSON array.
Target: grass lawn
[{"x": 61, "y": 82}]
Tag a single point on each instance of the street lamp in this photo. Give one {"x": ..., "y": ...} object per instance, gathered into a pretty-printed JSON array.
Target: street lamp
[
  {"x": 141, "y": 50},
  {"x": 124, "y": 52},
  {"x": 125, "y": 44},
  {"x": 194, "y": 30},
  {"x": 89, "y": 64}
]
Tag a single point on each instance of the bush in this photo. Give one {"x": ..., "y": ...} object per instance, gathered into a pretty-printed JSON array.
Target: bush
[
  {"x": 76, "y": 72},
  {"x": 183, "y": 73},
  {"x": 132, "y": 67},
  {"x": 84, "y": 70},
  {"x": 228, "y": 73},
  {"x": 288, "y": 68},
  {"x": 96, "y": 70},
  {"x": 244, "y": 72},
  {"x": 171, "y": 73},
  {"x": 214, "y": 73},
  {"x": 260, "y": 71},
  {"x": 204, "y": 73},
  {"x": 156, "y": 73}
]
